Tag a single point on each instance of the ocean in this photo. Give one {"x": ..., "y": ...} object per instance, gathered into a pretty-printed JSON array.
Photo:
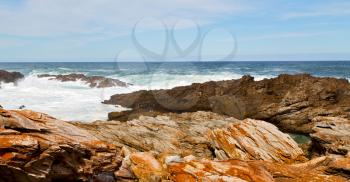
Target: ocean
[{"x": 75, "y": 101}]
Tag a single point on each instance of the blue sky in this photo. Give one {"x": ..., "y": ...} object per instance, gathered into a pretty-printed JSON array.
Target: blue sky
[{"x": 88, "y": 30}]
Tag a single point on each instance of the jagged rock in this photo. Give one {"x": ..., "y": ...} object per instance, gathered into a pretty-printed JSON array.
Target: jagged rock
[
  {"x": 37, "y": 147},
  {"x": 331, "y": 135},
  {"x": 182, "y": 134},
  {"x": 288, "y": 101},
  {"x": 10, "y": 77},
  {"x": 150, "y": 168},
  {"x": 199, "y": 134},
  {"x": 92, "y": 81},
  {"x": 255, "y": 140}
]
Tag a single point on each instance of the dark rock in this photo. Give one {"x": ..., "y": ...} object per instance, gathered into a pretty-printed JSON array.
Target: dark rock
[
  {"x": 288, "y": 101},
  {"x": 92, "y": 81},
  {"x": 10, "y": 77}
]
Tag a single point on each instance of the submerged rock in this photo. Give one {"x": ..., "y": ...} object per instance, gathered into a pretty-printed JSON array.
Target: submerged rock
[
  {"x": 10, "y": 77},
  {"x": 288, "y": 101},
  {"x": 92, "y": 81}
]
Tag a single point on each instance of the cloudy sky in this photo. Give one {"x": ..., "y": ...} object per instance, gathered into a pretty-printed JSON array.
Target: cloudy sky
[{"x": 88, "y": 30}]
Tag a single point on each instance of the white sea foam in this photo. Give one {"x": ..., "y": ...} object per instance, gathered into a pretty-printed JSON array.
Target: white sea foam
[{"x": 76, "y": 101}]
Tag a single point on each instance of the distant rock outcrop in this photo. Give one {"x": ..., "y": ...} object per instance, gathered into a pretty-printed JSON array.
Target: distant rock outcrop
[
  {"x": 10, "y": 77},
  {"x": 92, "y": 81},
  {"x": 288, "y": 101}
]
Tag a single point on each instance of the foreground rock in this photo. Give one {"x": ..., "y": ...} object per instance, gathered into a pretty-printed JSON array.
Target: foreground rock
[
  {"x": 255, "y": 140},
  {"x": 37, "y": 147},
  {"x": 146, "y": 167},
  {"x": 331, "y": 135},
  {"x": 288, "y": 101},
  {"x": 202, "y": 134},
  {"x": 92, "y": 81},
  {"x": 10, "y": 77}
]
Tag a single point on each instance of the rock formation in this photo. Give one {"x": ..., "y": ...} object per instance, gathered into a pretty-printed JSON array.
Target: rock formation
[
  {"x": 331, "y": 135},
  {"x": 10, "y": 77},
  {"x": 92, "y": 81},
  {"x": 147, "y": 167},
  {"x": 288, "y": 101},
  {"x": 202, "y": 134},
  {"x": 36, "y": 147},
  {"x": 254, "y": 140}
]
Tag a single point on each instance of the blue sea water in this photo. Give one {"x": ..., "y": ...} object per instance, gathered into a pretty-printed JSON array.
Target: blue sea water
[{"x": 76, "y": 101}]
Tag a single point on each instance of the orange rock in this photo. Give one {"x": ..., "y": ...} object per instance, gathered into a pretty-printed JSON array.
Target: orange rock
[
  {"x": 37, "y": 147},
  {"x": 254, "y": 140},
  {"x": 146, "y": 167}
]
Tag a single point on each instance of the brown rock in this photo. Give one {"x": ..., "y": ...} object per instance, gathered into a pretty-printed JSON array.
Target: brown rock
[
  {"x": 288, "y": 101},
  {"x": 331, "y": 135},
  {"x": 37, "y": 147},
  {"x": 185, "y": 134},
  {"x": 92, "y": 81},
  {"x": 182, "y": 134}
]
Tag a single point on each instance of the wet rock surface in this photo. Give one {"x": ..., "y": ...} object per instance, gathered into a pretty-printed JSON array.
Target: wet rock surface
[
  {"x": 92, "y": 81},
  {"x": 288, "y": 101},
  {"x": 10, "y": 77}
]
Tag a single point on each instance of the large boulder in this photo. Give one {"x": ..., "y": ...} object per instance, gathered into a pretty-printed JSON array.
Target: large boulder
[
  {"x": 37, "y": 147},
  {"x": 10, "y": 77},
  {"x": 92, "y": 81},
  {"x": 288, "y": 101}
]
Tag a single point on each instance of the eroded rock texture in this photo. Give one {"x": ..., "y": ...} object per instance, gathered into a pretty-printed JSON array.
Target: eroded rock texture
[
  {"x": 255, "y": 140},
  {"x": 92, "y": 81},
  {"x": 183, "y": 134},
  {"x": 288, "y": 101},
  {"x": 331, "y": 135},
  {"x": 146, "y": 167},
  {"x": 37, "y": 147}
]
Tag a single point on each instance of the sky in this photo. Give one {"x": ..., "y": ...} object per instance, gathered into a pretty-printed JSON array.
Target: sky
[{"x": 162, "y": 30}]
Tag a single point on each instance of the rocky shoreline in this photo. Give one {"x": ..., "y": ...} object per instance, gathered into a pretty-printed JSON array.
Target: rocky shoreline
[{"x": 216, "y": 131}]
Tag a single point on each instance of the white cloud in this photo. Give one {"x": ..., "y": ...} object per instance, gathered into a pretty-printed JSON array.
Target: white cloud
[{"x": 106, "y": 17}]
